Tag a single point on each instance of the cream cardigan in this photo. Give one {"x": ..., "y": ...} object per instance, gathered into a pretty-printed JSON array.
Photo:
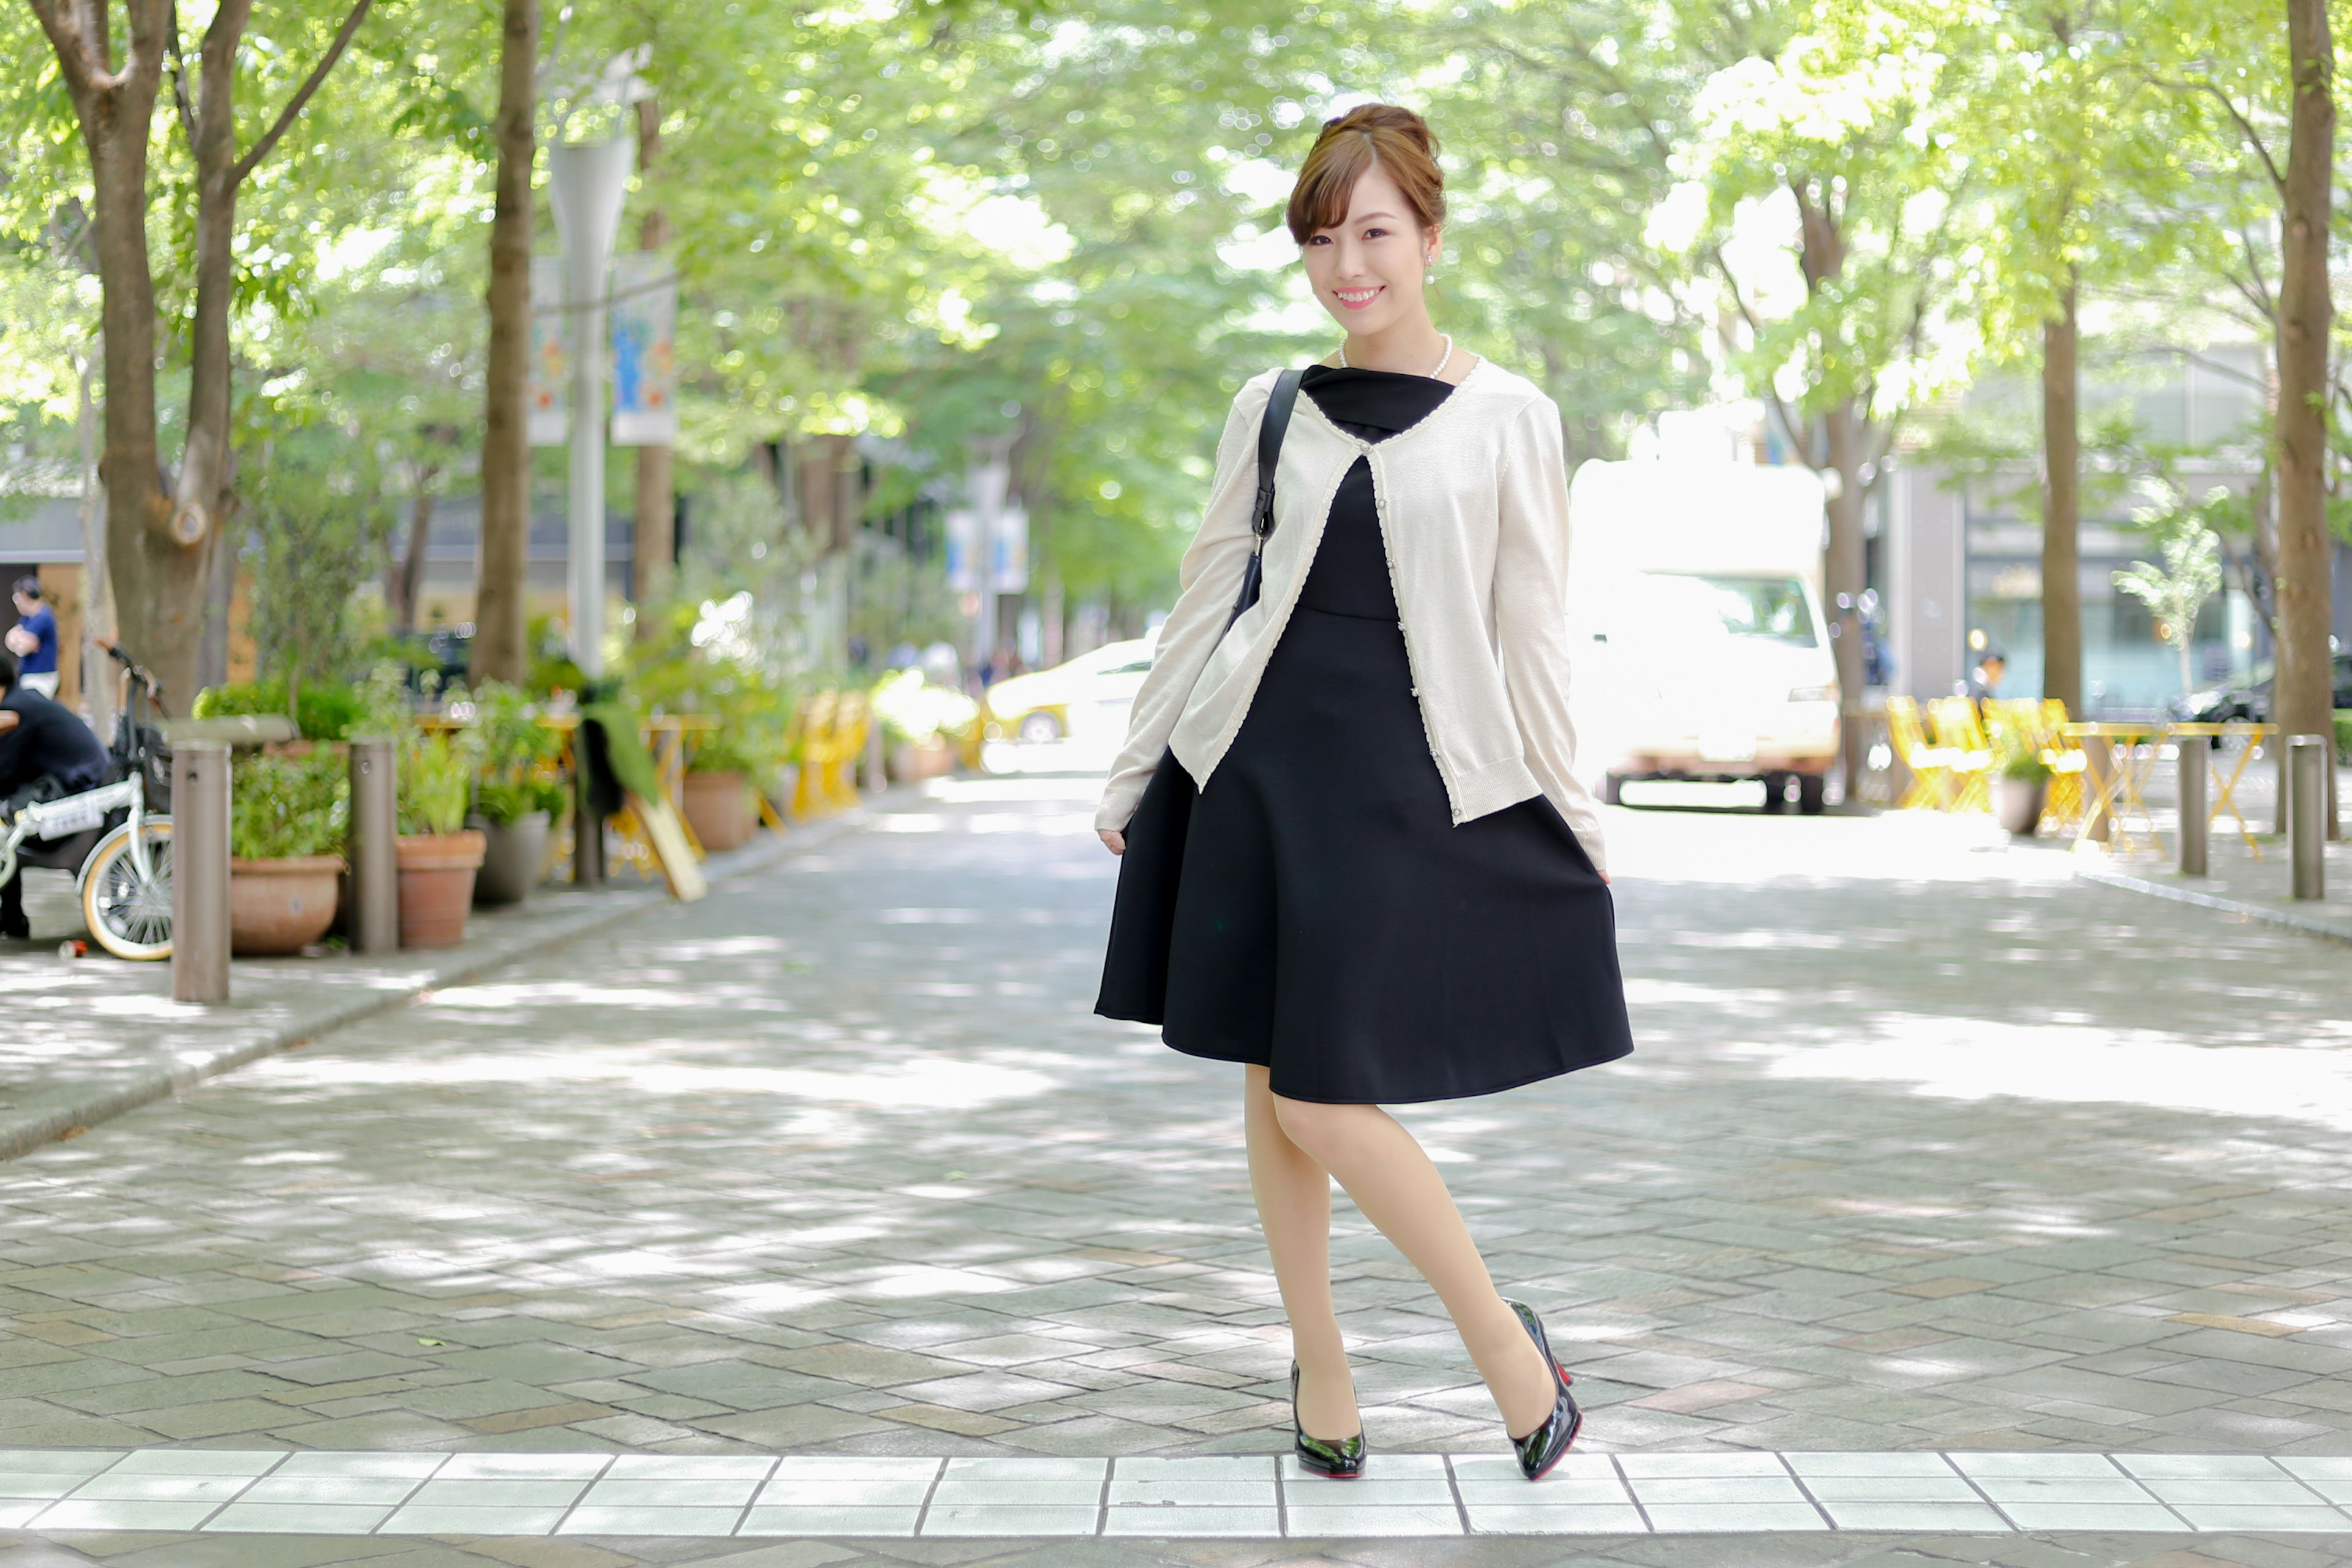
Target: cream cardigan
[{"x": 1473, "y": 505}]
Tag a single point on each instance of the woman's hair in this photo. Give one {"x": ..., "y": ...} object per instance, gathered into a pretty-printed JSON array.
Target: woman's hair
[{"x": 1394, "y": 138}]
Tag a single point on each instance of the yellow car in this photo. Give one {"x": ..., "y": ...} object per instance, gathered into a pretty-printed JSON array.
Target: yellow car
[{"x": 1089, "y": 697}]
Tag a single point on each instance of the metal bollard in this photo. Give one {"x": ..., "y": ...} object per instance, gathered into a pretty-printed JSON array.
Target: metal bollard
[
  {"x": 200, "y": 871},
  {"x": 2098, "y": 778},
  {"x": 2306, "y": 763},
  {"x": 375, "y": 923},
  {"x": 2195, "y": 820}
]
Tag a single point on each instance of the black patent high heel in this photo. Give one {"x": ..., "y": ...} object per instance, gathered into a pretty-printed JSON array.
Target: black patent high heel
[
  {"x": 1342, "y": 1460},
  {"x": 1545, "y": 1447}
]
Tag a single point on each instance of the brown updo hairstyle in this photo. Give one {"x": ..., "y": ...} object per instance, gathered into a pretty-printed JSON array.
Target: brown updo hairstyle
[{"x": 1382, "y": 134}]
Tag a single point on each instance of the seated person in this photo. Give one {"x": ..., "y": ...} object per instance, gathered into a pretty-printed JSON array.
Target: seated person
[
  {"x": 45, "y": 753},
  {"x": 34, "y": 639}
]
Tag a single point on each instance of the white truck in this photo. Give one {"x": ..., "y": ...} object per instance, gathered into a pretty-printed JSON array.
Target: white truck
[{"x": 1694, "y": 614}]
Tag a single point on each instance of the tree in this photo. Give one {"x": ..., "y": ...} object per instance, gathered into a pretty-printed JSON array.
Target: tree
[
  {"x": 499, "y": 653},
  {"x": 159, "y": 544},
  {"x": 1839, "y": 141},
  {"x": 2175, "y": 592}
]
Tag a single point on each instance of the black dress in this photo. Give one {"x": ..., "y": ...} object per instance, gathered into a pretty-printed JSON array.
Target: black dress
[{"x": 1327, "y": 919}]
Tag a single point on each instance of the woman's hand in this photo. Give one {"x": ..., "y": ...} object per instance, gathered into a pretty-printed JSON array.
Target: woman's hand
[{"x": 1115, "y": 842}]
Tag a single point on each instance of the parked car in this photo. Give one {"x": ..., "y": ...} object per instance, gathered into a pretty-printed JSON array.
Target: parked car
[
  {"x": 2232, "y": 704},
  {"x": 1089, "y": 696}
]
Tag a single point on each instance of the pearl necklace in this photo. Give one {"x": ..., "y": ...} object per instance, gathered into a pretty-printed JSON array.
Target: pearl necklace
[{"x": 1432, "y": 374}]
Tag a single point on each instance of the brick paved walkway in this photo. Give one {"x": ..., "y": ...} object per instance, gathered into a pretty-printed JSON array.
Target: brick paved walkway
[{"x": 1926, "y": 1148}]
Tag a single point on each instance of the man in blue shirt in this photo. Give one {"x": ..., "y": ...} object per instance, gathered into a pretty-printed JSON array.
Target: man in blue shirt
[
  {"x": 33, "y": 639},
  {"x": 46, "y": 753}
]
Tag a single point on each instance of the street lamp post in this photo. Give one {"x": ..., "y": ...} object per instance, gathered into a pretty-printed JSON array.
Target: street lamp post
[{"x": 587, "y": 181}]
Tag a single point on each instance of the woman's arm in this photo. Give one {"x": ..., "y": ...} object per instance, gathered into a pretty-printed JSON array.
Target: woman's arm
[
  {"x": 1531, "y": 616},
  {"x": 1209, "y": 578}
]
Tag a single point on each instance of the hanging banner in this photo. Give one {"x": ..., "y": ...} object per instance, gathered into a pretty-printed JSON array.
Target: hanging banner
[
  {"x": 963, "y": 551},
  {"x": 1008, "y": 552},
  {"x": 644, "y": 353},
  {"x": 547, "y": 411}
]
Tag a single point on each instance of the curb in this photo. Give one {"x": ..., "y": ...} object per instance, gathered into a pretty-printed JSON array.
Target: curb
[
  {"x": 76, "y": 1108},
  {"x": 2269, "y": 915}
]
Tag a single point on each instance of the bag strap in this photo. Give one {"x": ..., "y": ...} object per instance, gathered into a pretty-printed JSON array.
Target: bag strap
[{"x": 1270, "y": 432}]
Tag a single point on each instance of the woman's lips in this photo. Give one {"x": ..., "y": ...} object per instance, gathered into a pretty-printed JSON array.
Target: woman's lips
[{"x": 1369, "y": 296}]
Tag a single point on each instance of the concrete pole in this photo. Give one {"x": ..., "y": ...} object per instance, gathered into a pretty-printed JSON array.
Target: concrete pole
[
  {"x": 200, "y": 871},
  {"x": 2195, "y": 819},
  {"x": 374, "y": 922},
  {"x": 2306, "y": 764},
  {"x": 587, "y": 181},
  {"x": 2098, "y": 778}
]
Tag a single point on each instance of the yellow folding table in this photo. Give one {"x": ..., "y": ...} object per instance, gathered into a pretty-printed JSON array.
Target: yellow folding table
[
  {"x": 2116, "y": 797},
  {"x": 2225, "y": 784}
]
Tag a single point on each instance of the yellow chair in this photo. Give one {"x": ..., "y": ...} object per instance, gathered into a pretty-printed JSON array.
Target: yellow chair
[
  {"x": 2068, "y": 764},
  {"x": 851, "y": 714},
  {"x": 1968, "y": 766},
  {"x": 1929, "y": 765},
  {"x": 814, "y": 726}
]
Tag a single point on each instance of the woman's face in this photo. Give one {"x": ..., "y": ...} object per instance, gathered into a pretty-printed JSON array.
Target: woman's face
[{"x": 1368, "y": 270}]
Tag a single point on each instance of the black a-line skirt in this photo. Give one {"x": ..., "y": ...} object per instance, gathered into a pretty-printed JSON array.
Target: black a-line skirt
[{"x": 1329, "y": 922}]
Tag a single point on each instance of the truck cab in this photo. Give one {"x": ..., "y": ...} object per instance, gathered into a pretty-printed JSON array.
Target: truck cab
[{"x": 1696, "y": 621}]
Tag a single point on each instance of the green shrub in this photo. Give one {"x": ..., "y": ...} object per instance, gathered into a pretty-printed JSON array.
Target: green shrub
[
  {"x": 286, "y": 808},
  {"x": 507, "y": 802},
  {"x": 328, "y": 712},
  {"x": 911, "y": 710},
  {"x": 2343, "y": 736},
  {"x": 437, "y": 778}
]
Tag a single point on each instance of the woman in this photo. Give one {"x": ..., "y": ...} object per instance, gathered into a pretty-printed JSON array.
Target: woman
[{"x": 1357, "y": 860}]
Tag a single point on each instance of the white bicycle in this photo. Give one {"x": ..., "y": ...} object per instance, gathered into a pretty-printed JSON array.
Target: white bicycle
[{"x": 117, "y": 839}]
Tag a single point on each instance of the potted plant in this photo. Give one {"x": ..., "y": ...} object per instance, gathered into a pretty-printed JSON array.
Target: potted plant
[
  {"x": 718, "y": 788},
  {"x": 2021, "y": 785},
  {"x": 438, "y": 855},
  {"x": 288, "y": 818},
  {"x": 919, "y": 721},
  {"x": 517, "y": 798}
]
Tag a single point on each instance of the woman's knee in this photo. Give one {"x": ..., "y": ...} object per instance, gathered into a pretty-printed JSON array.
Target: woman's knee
[{"x": 1313, "y": 1125}]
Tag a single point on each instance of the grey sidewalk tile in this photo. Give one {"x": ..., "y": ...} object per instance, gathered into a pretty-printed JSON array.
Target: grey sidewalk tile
[
  {"x": 117, "y": 1486},
  {"x": 1640, "y": 1466},
  {"x": 1548, "y": 1519},
  {"x": 1945, "y": 1488},
  {"x": 56, "y": 1461},
  {"x": 14, "y": 1514},
  {"x": 440, "y": 1493},
  {"x": 1195, "y": 1491},
  {"x": 2194, "y": 1466},
  {"x": 280, "y": 1487},
  {"x": 430, "y": 1519},
  {"x": 298, "y": 1518},
  {"x": 985, "y": 1518},
  {"x": 1322, "y": 1520},
  {"x": 689, "y": 1466},
  {"x": 522, "y": 1467},
  {"x": 1810, "y": 1465},
  {"x": 1042, "y": 1469},
  {"x": 1185, "y": 1520},
  {"x": 2092, "y": 1516},
  {"x": 2255, "y": 1518},
  {"x": 1958, "y": 1517},
  {"x": 828, "y": 1520},
  {"x": 847, "y": 1491},
  {"x": 670, "y": 1492},
  {"x": 589, "y": 1519},
  {"x": 2278, "y": 1493},
  {"x": 1710, "y": 1518},
  {"x": 855, "y": 1466},
  {"x": 1657, "y": 1491},
  {"x": 991, "y": 1491},
  {"x": 1552, "y": 1491},
  {"x": 2116, "y": 1490},
  {"x": 198, "y": 1462},
  {"x": 111, "y": 1514},
  {"x": 411, "y": 1467}
]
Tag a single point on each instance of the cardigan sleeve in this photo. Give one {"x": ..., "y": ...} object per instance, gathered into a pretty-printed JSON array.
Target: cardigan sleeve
[
  {"x": 1531, "y": 614},
  {"x": 1209, "y": 580}
]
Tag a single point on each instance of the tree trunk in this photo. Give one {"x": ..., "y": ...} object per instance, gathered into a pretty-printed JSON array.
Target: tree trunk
[
  {"x": 2301, "y": 697},
  {"x": 408, "y": 580},
  {"x": 1843, "y": 576},
  {"x": 97, "y": 582},
  {"x": 498, "y": 653},
  {"x": 2062, "y": 507},
  {"x": 655, "y": 543}
]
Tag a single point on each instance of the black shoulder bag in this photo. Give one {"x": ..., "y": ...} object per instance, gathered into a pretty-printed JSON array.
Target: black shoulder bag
[{"x": 1143, "y": 913}]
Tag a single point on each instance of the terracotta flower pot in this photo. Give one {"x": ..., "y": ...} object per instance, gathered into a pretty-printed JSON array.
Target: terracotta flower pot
[
  {"x": 437, "y": 886},
  {"x": 515, "y": 853},
  {"x": 926, "y": 758},
  {"x": 719, "y": 808},
  {"x": 278, "y": 907},
  {"x": 2017, "y": 804}
]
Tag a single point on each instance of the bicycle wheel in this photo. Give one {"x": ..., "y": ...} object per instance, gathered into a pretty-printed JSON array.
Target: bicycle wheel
[{"x": 129, "y": 914}]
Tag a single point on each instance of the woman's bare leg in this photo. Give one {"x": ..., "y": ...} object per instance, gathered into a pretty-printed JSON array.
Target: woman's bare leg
[
  {"x": 1294, "y": 1205},
  {"x": 1399, "y": 1190}
]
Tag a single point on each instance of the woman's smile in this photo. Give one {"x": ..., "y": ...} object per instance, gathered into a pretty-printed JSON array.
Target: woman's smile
[{"x": 1357, "y": 299}]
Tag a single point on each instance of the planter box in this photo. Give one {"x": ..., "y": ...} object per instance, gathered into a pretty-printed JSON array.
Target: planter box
[
  {"x": 437, "y": 886},
  {"x": 278, "y": 907},
  {"x": 2017, "y": 804},
  {"x": 719, "y": 808},
  {"x": 513, "y": 857},
  {"x": 928, "y": 758}
]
